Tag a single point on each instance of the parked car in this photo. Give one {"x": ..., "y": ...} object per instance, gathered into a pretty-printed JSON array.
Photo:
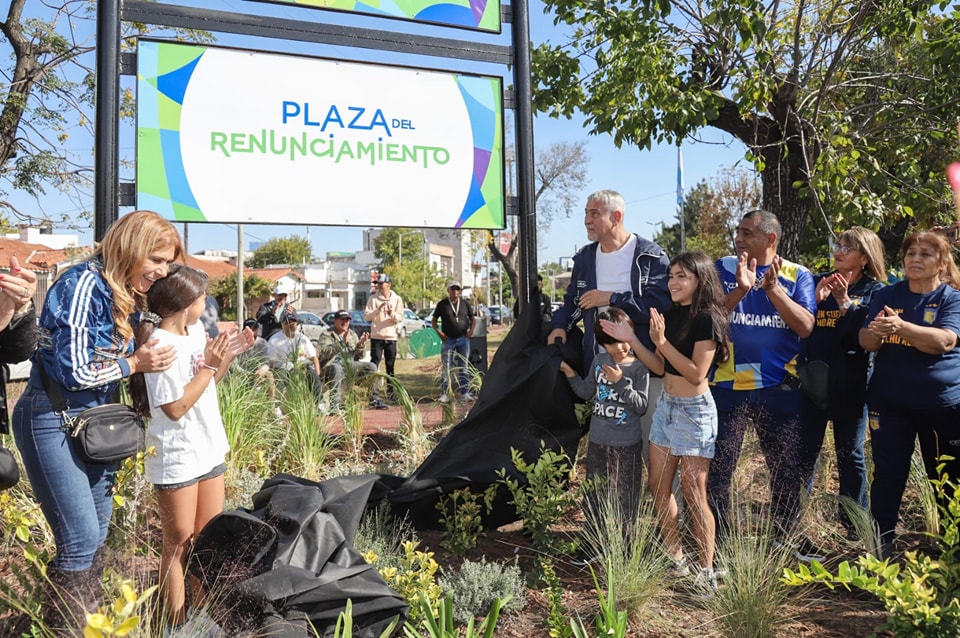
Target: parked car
[
  {"x": 311, "y": 325},
  {"x": 411, "y": 323},
  {"x": 357, "y": 323},
  {"x": 495, "y": 318}
]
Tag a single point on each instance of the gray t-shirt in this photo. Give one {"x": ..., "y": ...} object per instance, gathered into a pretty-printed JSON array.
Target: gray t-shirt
[{"x": 617, "y": 407}]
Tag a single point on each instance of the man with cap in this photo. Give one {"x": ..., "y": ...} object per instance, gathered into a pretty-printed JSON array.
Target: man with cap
[
  {"x": 453, "y": 320},
  {"x": 268, "y": 315},
  {"x": 340, "y": 351},
  {"x": 290, "y": 350},
  {"x": 384, "y": 311}
]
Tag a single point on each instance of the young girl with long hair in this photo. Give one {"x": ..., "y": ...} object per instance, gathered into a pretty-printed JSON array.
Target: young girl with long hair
[
  {"x": 185, "y": 428},
  {"x": 690, "y": 337}
]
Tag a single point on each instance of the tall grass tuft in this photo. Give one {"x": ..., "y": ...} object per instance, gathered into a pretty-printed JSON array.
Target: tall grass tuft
[
  {"x": 926, "y": 495},
  {"x": 412, "y": 436},
  {"x": 629, "y": 545},
  {"x": 383, "y": 533},
  {"x": 255, "y": 433},
  {"x": 752, "y": 602},
  {"x": 307, "y": 444}
]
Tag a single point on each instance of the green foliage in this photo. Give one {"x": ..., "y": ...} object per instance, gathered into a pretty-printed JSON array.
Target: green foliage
[
  {"x": 477, "y": 585},
  {"x": 47, "y": 99},
  {"x": 922, "y": 597},
  {"x": 840, "y": 106},
  {"x": 120, "y": 618},
  {"x": 344, "y": 626},
  {"x": 224, "y": 290},
  {"x": 610, "y": 622},
  {"x": 752, "y": 603},
  {"x": 414, "y": 579},
  {"x": 383, "y": 534},
  {"x": 556, "y": 622},
  {"x": 461, "y": 517},
  {"x": 438, "y": 620},
  {"x": 293, "y": 250},
  {"x": 543, "y": 497},
  {"x": 629, "y": 544}
]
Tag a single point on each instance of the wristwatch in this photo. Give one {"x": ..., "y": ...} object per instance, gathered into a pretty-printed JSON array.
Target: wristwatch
[{"x": 847, "y": 305}]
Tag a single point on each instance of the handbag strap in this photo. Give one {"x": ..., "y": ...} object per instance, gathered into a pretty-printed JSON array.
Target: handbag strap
[{"x": 53, "y": 391}]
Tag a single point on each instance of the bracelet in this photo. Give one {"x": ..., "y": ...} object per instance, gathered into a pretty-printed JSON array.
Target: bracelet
[{"x": 209, "y": 367}]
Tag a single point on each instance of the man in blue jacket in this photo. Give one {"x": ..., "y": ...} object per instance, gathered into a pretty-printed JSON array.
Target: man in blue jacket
[
  {"x": 621, "y": 269},
  {"x": 618, "y": 268}
]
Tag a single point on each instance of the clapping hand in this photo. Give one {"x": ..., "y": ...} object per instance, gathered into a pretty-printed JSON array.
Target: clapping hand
[
  {"x": 771, "y": 278},
  {"x": 658, "y": 328},
  {"x": 612, "y": 373},
  {"x": 746, "y": 274}
]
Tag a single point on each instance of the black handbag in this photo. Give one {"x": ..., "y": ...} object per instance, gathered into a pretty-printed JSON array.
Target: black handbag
[
  {"x": 9, "y": 471},
  {"x": 101, "y": 434},
  {"x": 814, "y": 381}
]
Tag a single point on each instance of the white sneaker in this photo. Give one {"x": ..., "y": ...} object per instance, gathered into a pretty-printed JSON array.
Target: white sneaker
[{"x": 444, "y": 398}]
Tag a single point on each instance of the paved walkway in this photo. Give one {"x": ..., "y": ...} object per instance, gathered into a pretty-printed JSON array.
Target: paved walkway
[{"x": 389, "y": 420}]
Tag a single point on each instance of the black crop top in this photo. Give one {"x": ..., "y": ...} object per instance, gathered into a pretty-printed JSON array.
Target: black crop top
[{"x": 676, "y": 318}]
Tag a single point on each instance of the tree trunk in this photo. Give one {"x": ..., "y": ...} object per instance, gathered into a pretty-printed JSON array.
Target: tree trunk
[
  {"x": 783, "y": 200},
  {"x": 507, "y": 262}
]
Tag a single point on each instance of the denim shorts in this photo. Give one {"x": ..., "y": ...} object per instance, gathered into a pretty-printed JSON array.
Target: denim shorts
[
  {"x": 686, "y": 426},
  {"x": 214, "y": 473}
]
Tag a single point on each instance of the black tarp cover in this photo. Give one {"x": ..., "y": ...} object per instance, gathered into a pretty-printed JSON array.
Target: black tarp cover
[
  {"x": 524, "y": 400},
  {"x": 291, "y": 558}
]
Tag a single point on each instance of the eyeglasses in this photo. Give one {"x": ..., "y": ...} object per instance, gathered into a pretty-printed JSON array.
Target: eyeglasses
[{"x": 845, "y": 250}]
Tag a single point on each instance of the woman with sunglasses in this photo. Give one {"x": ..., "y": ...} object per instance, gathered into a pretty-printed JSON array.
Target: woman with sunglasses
[{"x": 843, "y": 298}]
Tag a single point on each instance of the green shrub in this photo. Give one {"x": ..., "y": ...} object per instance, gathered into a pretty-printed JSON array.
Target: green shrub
[
  {"x": 461, "y": 517},
  {"x": 383, "y": 534},
  {"x": 414, "y": 578},
  {"x": 477, "y": 585},
  {"x": 557, "y": 616},
  {"x": 921, "y": 597},
  {"x": 544, "y": 499}
]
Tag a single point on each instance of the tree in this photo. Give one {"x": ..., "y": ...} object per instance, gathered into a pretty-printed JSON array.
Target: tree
[
  {"x": 812, "y": 89},
  {"x": 224, "y": 290},
  {"x": 560, "y": 176},
  {"x": 711, "y": 211},
  {"x": 47, "y": 93},
  {"x": 414, "y": 280},
  {"x": 291, "y": 250}
]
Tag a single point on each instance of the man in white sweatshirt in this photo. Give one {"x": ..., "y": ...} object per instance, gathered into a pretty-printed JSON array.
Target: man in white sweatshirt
[{"x": 384, "y": 311}]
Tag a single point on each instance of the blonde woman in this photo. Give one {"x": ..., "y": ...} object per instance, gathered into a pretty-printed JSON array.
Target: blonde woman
[
  {"x": 843, "y": 297},
  {"x": 86, "y": 348}
]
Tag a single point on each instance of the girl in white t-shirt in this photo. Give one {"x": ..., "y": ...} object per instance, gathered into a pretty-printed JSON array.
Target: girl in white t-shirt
[{"x": 185, "y": 429}]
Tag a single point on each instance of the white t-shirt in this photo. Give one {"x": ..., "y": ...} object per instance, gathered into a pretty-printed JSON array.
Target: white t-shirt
[
  {"x": 196, "y": 443},
  {"x": 283, "y": 351},
  {"x": 613, "y": 269}
]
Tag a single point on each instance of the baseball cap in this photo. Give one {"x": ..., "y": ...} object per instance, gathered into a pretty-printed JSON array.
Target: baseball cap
[
  {"x": 454, "y": 284},
  {"x": 341, "y": 314},
  {"x": 280, "y": 289},
  {"x": 253, "y": 324},
  {"x": 384, "y": 279},
  {"x": 289, "y": 316}
]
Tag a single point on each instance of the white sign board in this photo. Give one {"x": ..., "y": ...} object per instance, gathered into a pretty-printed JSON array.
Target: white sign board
[{"x": 227, "y": 135}]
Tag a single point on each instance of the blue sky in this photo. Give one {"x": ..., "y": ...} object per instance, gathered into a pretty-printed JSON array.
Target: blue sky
[{"x": 647, "y": 179}]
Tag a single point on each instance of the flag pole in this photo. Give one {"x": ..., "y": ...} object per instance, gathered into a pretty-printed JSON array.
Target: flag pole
[{"x": 683, "y": 229}]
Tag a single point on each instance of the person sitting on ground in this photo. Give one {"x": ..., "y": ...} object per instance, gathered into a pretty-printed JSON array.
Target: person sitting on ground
[
  {"x": 257, "y": 358},
  {"x": 340, "y": 353},
  {"x": 269, "y": 313},
  {"x": 290, "y": 350}
]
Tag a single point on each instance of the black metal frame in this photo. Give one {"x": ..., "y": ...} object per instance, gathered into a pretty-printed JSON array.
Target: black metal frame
[{"x": 110, "y": 13}]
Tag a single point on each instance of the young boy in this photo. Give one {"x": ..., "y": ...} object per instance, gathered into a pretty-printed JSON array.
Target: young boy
[{"x": 617, "y": 382}]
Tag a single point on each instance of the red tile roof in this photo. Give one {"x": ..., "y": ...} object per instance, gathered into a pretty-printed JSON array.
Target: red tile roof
[{"x": 35, "y": 256}]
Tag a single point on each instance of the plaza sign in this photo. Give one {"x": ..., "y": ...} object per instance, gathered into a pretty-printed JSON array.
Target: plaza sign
[
  {"x": 226, "y": 135},
  {"x": 482, "y": 15}
]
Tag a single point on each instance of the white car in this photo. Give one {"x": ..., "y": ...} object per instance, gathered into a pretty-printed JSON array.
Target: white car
[
  {"x": 311, "y": 325},
  {"x": 411, "y": 323}
]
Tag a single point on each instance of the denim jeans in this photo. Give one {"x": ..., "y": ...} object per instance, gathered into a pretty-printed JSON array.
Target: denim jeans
[
  {"x": 76, "y": 497},
  {"x": 454, "y": 354},
  {"x": 849, "y": 435},
  {"x": 775, "y": 414}
]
